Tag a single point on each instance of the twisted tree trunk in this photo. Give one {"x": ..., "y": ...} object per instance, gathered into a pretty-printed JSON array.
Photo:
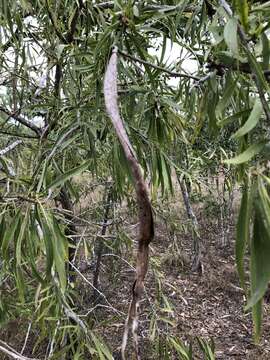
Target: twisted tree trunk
[{"x": 146, "y": 225}]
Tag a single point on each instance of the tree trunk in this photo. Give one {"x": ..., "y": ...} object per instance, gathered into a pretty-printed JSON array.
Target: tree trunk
[
  {"x": 196, "y": 261},
  {"x": 100, "y": 245}
]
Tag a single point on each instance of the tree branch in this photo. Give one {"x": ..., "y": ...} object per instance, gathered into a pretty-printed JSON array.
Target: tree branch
[
  {"x": 242, "y": 67},
  {"x": 21, "y": 120},
  {"x": 171, "y": 73},
  {"x": 10, "y": 147}
]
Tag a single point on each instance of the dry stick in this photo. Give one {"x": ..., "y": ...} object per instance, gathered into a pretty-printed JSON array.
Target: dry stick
[
  {"x": 10, "y": 147},
  {"x": 146, "y": 225},
  {"x": 5, "y": 348}
]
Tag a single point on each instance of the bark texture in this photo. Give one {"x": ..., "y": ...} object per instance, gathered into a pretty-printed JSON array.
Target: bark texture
[{"x": 146, "y": 226}]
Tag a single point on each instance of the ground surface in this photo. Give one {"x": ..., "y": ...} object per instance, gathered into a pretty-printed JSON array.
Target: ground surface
[
  {"x": 178, "y": 302},
  {"x": 209, "y": 306}
]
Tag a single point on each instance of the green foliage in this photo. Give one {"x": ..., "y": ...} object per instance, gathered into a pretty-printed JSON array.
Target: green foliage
[{"x": 53, "y": 59}]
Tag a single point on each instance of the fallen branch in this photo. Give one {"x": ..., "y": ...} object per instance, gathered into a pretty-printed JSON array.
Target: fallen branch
[
  {"x": 146, "y": 225},
  {"x": 12, "y": 352}
]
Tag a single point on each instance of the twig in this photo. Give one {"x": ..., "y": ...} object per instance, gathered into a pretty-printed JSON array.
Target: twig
[
  {"x": 26, "y": 337},
  {"x": 119, "y": 257},
  {"x": 100, "y": 293},
  {"x": 95, "y": 307},
  {"x": 171, "y": 73},
  {"x": 10, "y": 147},
  {"x": 12, "y": 352},
  {"x": 245, "y": 44}
]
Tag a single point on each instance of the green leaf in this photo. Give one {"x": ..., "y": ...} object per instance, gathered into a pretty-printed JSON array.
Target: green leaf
[
  {"x": 265, "y": 51},
  {"x": 207, "y": 349},
  {"x": 230, "y": 35},
  {"x": 60, "y": 180},
  {"x": 233, "y": 117},
  {"x": 101, "y": 348},
  {"x": 260, "y": 78},
  {"x": 59, "y": 252},
  {"x": 32, "y": 242},
  {"x": 252, "y": 120},
  {"x": 242, "y": 8},
  {"x": 18, "y": 252},
  {"x": 179, "y": 348},
  {"x": 47, "y": 238},
  {"x": 9, "y": 234},
  {"x": 242, "y": 235},
  {"x": 228, "y": 92},
  {"x": 247, "y": 155},
  {"x": 20, "y": 282},
  {"x": 260, "y": 254},
  {"x": 2, "y": 229},
  {"x": 257, "y": 321}
]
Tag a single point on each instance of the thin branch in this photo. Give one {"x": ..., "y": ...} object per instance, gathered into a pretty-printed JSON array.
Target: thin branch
[
  {"x": 203, "y": 79},
  {"x": 18, "y": 135},
  {"x": 10, "y": 147},
  {"x": 246, "y": 46},
  {"x": 12, "y": 352},
  {"x": 242, "y": 67},
  {"x": 169, "y": 72},
  {"x": 26, "y": 337},
  {"x": 100, "y": 293},
  {"x": 226, "y": 7},
  {"x": 21, "y": 120}
]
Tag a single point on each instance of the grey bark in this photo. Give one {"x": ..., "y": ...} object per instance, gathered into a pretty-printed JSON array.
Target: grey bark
[{"x": 196, "y": 261}]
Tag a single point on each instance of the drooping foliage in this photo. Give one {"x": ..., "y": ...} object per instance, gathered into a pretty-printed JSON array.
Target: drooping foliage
[{"x": 205, "y": 109}]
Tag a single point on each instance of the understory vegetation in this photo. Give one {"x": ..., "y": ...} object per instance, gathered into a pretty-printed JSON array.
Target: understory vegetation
[{"x": 134, "y": 179}]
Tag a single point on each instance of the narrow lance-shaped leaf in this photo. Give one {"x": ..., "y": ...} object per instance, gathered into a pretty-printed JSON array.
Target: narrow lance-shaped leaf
[
  {"x": 260, "y": 266},
  {"x": 21, "y": 236},
  {"x": 9, "y": 234},
  {"x": 47, "y": 238},
  {"x": 66, "y": 176},
  {"x": 260, "y": 247},
  {"x": 242, "y": 235},
  {"x": 230, "y": 35},
  {"x": 224, "y": 101},
  {"x": 252, "y": 120},
  {"x": 242, "y": 8},
  {"x": 265, "y": 51},
  {"x": 59, "y": 251},
  {"x": 247, "y": 155}
]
